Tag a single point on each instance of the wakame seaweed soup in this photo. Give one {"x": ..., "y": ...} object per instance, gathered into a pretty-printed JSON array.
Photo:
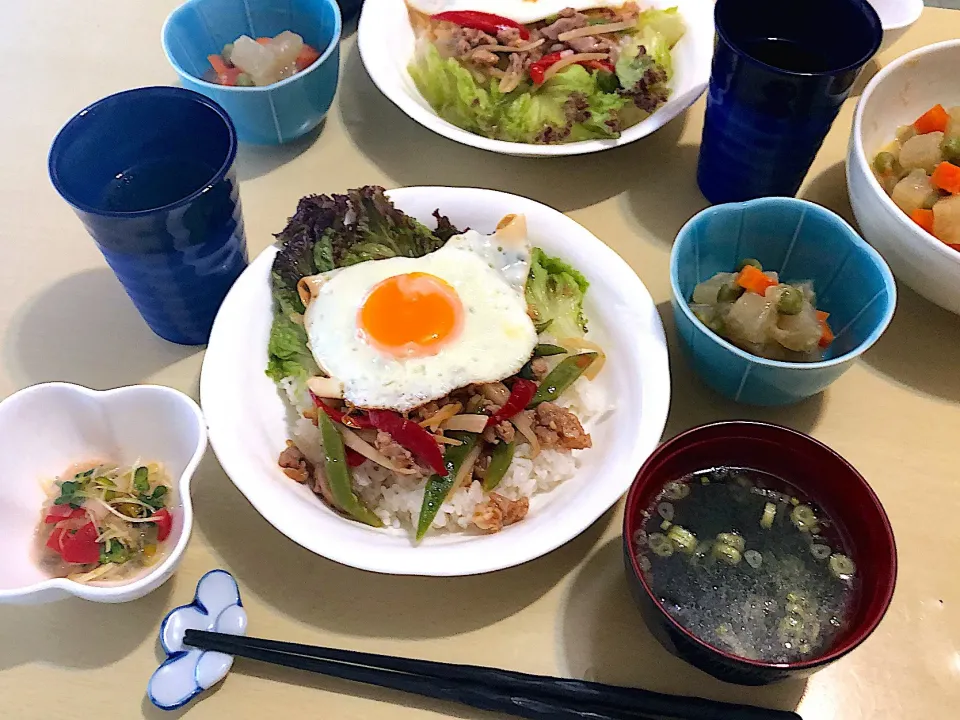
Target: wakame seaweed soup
[{"x": 743, "y": 562}]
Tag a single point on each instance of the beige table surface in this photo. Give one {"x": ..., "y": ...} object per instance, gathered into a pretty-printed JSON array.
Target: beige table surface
[{"x": 895, "y": 415}]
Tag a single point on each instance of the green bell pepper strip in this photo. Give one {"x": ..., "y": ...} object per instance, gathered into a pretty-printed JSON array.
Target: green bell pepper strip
[
  {"x": 546, "y": 350},
  {"x": 562, "y": 377},
  {"x": 439, "y": 486},
  {"x": 500, "y": 460},
  {"x": 338, "y": 474}
]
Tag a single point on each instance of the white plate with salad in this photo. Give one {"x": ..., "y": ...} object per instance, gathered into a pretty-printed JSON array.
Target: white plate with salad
[
  {"x": 545, "y": 78},
  {"x": 434, "y": 381}
]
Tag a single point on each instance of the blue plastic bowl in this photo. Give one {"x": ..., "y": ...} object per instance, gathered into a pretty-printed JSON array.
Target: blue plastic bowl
[
  {"x": 268, "y": 115},
  {"x": 802, "y": 241}
]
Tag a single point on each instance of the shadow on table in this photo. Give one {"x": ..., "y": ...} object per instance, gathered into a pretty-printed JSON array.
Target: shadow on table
[
  {"x": 919, "y": 349},
  {"x": 663, "y": 192},
  {"x": 77, "y": 633},
  {"x": 604, "y": 639},
  {"x": 829, "y": 188},
  {"x": 692, "y": 403},
  {"x": 413, "y": 155},
  {"x": 866, "y": 75},
  {"x": 85, "y": 330},
  {"x": 256, "y": 160},
  {"x": 312, "y": 589}
]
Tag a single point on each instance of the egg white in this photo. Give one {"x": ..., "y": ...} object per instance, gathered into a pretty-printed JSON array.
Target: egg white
[
  {"x": 495, "y": 340},
  {"x": 521, "y": 11}
]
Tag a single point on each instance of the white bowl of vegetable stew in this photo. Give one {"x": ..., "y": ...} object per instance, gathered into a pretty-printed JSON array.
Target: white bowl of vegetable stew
[
  {"x": 95, "y": 490},
  {"x": 912, "y": 103}
]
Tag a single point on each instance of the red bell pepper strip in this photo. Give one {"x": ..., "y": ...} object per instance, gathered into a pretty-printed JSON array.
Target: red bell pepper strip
[
  {"x": 411, "y": 436},
  {"x": 604, "y": 65},
  {"x": 355, "y": 421},
  {"x": 354, "y": 459},
  {"x": 82, "y": 547},
  {"x": 63, "y": 512},
  {"x": 164, "y": 522},
  {"x": 539, "y": 68},
  {"x": 483, "y": 21},
  {"x": 56, "y": 540},
  {"x": 521, "y": 394}
]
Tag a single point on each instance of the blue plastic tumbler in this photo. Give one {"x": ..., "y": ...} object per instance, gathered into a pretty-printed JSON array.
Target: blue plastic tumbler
[
  {"x": 150, "y": 173},
  {"x": 781, "y": 71}
]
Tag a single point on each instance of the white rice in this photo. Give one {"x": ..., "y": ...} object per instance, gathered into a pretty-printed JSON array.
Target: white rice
[{"x": 397, "y": 499}]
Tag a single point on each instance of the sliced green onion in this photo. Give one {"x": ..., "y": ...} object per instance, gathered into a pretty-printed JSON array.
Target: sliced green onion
[
  {"x": 726, "y": 553},
  {"x": 803, "y": 517},
  {"x": 820, "y": 552},
  {"x": 769, "y": 513},
  {"x": 665, "y": 510},
  {"x": 705, "y": 480},
  {"x": 733, "y": 540},
  {"x": 684, "y": 540},
  {"x": 665, "y": 525},
  {"x": 661, "y": 545},
  {"x": 842, "y": 566},
  {"x": 753, "y": 558}
]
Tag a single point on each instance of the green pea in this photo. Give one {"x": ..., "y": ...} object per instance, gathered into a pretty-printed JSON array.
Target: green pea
[
  {"x": 791, "y": 301},
  {"x": 749, "y": 261},
  {"x": 886, "y": 163},
  {"x": 227, "y": 52},
  {"x": 951, "y": 149},
  {"x": 244, "y": 80},
  {"x": 729, "y": 293}
]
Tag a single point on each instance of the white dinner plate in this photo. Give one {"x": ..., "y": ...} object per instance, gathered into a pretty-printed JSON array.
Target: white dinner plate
[
  {"x": 386, "y": 41},
  {"x": 248, "y": 419}
]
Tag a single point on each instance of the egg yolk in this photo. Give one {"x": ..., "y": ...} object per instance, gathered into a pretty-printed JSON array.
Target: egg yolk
[{"x": 411, "y": 314}]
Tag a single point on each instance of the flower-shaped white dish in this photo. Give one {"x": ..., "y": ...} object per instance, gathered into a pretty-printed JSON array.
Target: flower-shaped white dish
[
  {"x": 386, "y": 41},
  {"x": 248, "y": 420},
  {"x": 46, "y": 428},
  {"x": 186, "y": 672}
]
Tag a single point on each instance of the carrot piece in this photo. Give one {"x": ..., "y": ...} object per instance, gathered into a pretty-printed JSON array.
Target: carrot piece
[
  {"x": 826, "y": 334},
  {"x": 946, "y": 176},
  {"x": 923, "y": 218},
  {"x": 933, "y": 120},
  {"x": 307, "y": 57},
  {"x": 263, "y": 40},
  {"x": 754, "y": 280},
  {"x": 218, "y": 64}
]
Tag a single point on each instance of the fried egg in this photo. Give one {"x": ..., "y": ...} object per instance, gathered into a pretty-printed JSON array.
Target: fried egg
[
  {"x": 521, "y": 11},
  {"x": 399, "y": 332}
]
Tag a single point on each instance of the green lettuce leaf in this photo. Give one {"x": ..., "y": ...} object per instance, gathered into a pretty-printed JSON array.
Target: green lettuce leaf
[
  {"x": 569, "y": 106},
  {"x": 555, "y": 292}
]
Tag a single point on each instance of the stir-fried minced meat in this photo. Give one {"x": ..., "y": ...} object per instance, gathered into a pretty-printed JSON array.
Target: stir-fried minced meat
[
  {"x": 568, "y": 19},
  {"x": 394, "y": 451},
  {"x": 589, "y": 44},
  {"x": 509, "y": 36},
  {"x": 294, "y": 463},
  {"x": 484, "y": 57},
  {"x": 501, "y": 431},
  {"x": 558, "y": 428},
  {"x": 466, "y": 40},
  {"x": 499, "y": 511},
  {"x": 540, "y": 368}
]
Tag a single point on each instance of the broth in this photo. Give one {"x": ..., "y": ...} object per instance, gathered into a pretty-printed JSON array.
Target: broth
[{"x": 739, "y": 560}]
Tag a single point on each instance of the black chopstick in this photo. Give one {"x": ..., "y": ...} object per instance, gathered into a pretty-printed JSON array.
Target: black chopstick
[{"x": 623, "y": 703}]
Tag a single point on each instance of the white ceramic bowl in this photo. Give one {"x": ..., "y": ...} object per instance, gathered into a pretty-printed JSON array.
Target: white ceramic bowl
[
  {"x": 386, "y": 41},
  {"x": 896, "y": 17},
  {"x": 898, "y": 95},
  {"x": 248, "y": 420},
  {"x": 44, "y": 429}
]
